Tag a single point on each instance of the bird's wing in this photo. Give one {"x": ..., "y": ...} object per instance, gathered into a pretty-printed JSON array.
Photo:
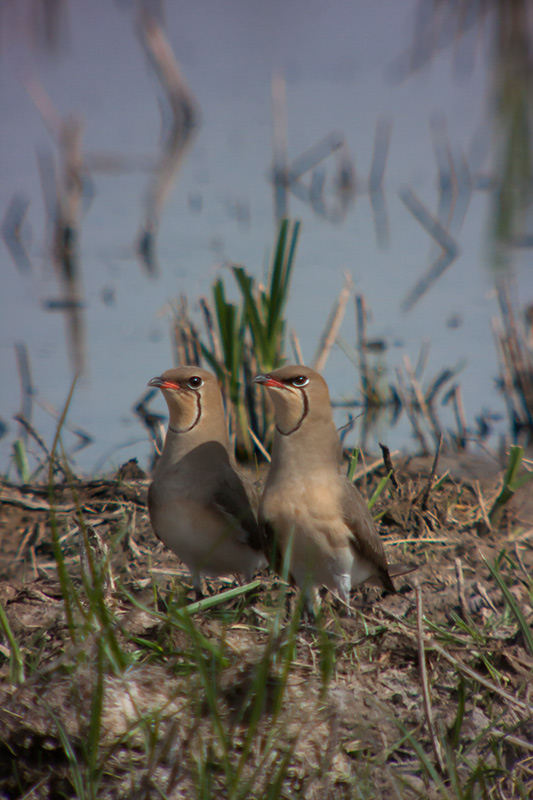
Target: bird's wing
[
  {"x": 365, "y": 539},
  {"x": 230, "y": 497},
  {"x": 270, "y": 544}
]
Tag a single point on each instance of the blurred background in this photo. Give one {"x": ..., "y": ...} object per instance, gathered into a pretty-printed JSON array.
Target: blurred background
[{"x": 147, "y": 147}]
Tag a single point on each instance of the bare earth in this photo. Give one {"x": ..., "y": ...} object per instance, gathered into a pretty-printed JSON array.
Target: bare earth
[{"x": 115, "y": 692}]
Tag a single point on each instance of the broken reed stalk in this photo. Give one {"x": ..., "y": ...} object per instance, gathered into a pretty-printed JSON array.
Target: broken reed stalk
[
  {"x": 296, "y": 348},
  {"x": 427, "y": 490},
  {"x": 407, "y": 404},
  {"x": 367, "y": 469},
  {"x": 388, "y": 464},
  {"x": 368, "y": 390},
  {"x": 186, "y": 336},
  {"x": 333, "y": 324},
  {"x": 505, "y": 377},
  {"x": 211, "y": 331},
  {"x": 454, "y": 395},
  {"x": 418, "y": 394}
]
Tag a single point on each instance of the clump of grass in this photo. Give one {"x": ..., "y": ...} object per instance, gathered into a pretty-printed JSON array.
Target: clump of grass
[
  {"x": 513, "y": 480},
  {"x": 244, "y": 338}
]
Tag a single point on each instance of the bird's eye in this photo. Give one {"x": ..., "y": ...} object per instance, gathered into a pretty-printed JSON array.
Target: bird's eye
[
  {"x": 300, "y": 381},
  {"x": 195, "y": 382}
]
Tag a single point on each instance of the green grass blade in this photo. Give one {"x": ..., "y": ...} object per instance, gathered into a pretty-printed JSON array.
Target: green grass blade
[
  {"x": 379, "y": 489},
  {"x": 21, "y": 460},
  {"x": 253, "y": 315},
  {"x": 511, "y": 483},
  {"x": 423, "y": 758},
  {"x": 70, "y": 599},
  {"x": 95, "y": 723},
  {"x": 16, "y": 661},
  {"x": 352, "y": 466},
  {"x": 455, "y": 733},
  {"x": 280, "y": 274},
  {"x": 513, "y": 605},
  {"x": 72, "y": 758},
  {"x": 211, "y": 602},
  {"x": 516, "y": 455}
]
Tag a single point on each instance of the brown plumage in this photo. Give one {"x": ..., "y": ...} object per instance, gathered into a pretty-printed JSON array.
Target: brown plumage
[
  {"x": 308, "y": 504},
  {"x": 198, "y": 504}
]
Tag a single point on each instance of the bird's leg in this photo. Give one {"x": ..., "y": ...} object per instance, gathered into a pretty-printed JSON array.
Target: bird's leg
[
  {"x": 197, "y": 586},
  {"x": 311, "y": 598},
  {"x": 342, "y": 595}
]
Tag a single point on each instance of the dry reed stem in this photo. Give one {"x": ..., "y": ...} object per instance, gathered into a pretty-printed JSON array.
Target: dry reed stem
[
  {"x": 410, "y": 411},
  {"x": 461, "y": 588},
  {"x": 429, "y": 485},
  {"x": 367, "y": 469},
  {"x": 424, "y": 679},
  {"x": 454, "y": 394},
  {"x": 387, "y": 460},
  {"x": 296, "y": 348},
  {"x": 333, "y": 324},
  {"x": 185, "y": 122},
  {"x": 259, "y": 445},
  {"x": 482, "y": 505},
  {"x": 420, "y": 399}
]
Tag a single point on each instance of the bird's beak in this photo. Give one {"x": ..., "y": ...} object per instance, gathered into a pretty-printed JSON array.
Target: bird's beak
[
  {"x": 161, "y": 383},
  {"x": 269, "y": 381}
]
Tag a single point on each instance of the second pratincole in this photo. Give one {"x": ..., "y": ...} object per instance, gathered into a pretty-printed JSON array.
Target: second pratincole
[
  {"x": 309, "y": 507},
  {"x": 199, "y": 506}
]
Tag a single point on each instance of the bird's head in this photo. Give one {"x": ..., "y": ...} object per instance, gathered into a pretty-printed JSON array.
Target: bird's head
[
  {"x": 193, "y": 398},
  {"x": 299, "y": 395}
]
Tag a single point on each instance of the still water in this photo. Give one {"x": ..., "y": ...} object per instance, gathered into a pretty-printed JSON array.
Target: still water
[{"x": 341, "y": 64}]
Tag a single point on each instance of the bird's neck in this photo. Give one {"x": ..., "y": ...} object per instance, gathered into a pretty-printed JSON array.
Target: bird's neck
[
  {"x": 308, "y": 450},
  {"x": 178, "y": 445}
]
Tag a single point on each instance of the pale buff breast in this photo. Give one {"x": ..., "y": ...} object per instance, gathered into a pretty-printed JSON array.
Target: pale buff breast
[
  {"x": 208, "y": 541},
  {"x": 307, "y": 515}
]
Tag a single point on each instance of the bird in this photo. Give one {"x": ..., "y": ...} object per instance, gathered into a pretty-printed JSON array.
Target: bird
[
  {"x": 198, "y": 504},
  {"x": 310, "y": 513}
]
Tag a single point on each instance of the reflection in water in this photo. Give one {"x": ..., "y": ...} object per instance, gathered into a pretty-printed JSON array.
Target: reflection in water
[
  {"x": 12, "y": 232},
  {"x": 448, "y": 245},
  {"x": 320, "y": 182},
  {"x": 438, "y": 26},
  {"x": 67, "y": 177},
  {"x": 183, "y": 127}
]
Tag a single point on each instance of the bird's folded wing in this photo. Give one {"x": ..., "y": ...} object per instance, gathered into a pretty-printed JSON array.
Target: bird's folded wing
[
  {"x": 365, "y": 538},
  {"x": 231, "y": 498}
]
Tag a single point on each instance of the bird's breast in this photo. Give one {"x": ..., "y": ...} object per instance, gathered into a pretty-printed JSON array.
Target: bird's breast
[{"x": 307, "y": 509}]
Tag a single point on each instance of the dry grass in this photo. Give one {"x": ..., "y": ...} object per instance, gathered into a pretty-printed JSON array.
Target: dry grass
[{"x": 113, "y": 686}]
